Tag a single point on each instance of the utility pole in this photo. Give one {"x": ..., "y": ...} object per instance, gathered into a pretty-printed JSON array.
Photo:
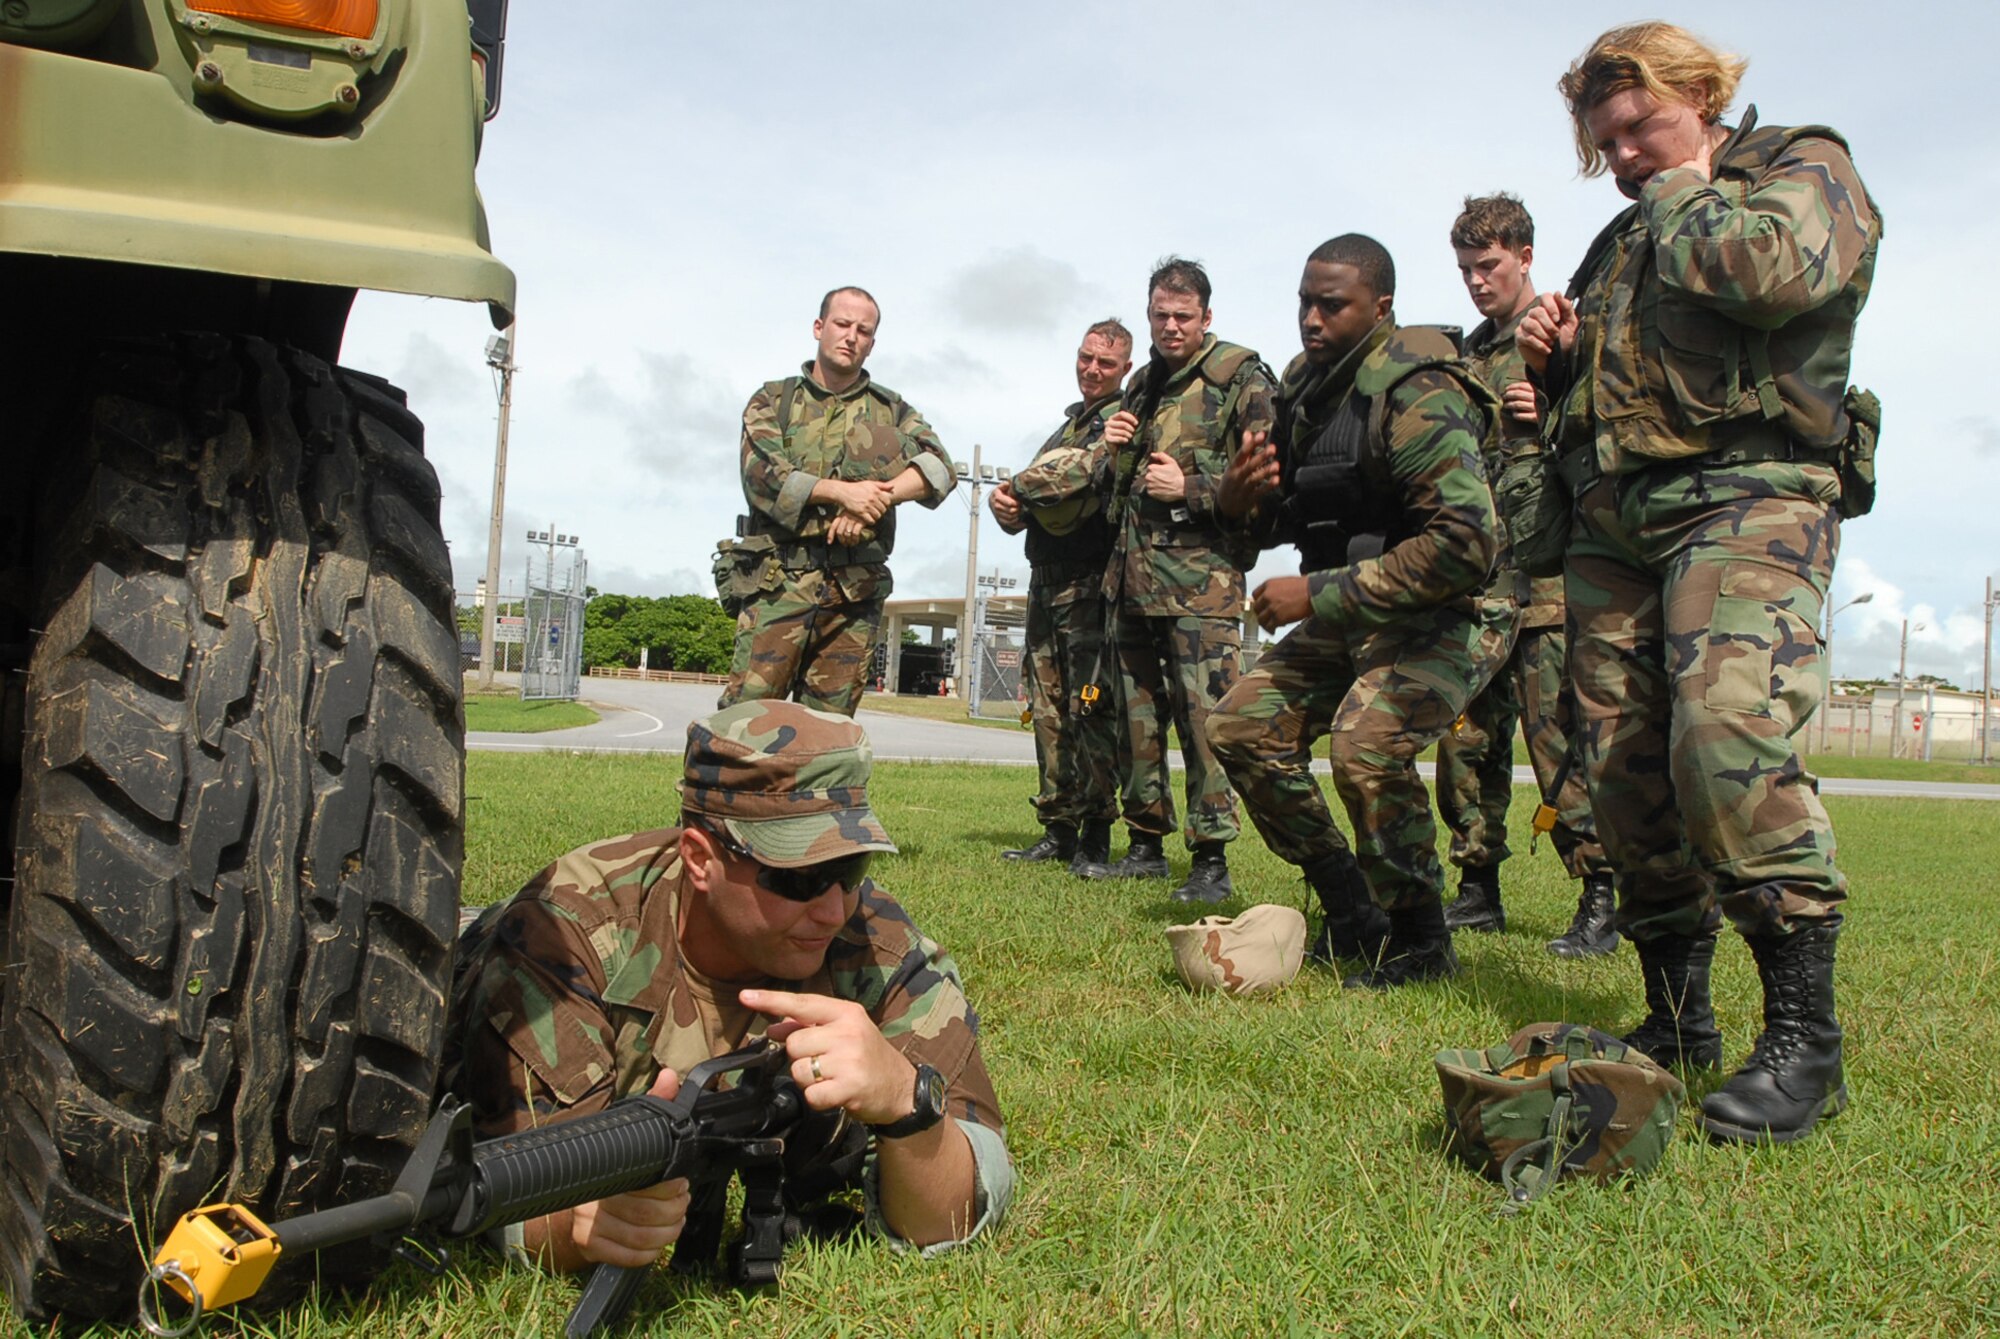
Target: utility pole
[
  {"x": 499, "y": 357},
  {"x": 1986, "y": 683},
  {"x": 966, "y": 620},
  {"x": 1902, "y": 668}
]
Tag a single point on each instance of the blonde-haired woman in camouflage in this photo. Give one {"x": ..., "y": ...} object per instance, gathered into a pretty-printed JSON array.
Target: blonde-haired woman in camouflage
[{"x": 1698, "y": 368}]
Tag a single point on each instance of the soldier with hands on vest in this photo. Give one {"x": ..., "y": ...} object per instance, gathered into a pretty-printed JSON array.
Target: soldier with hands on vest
[
  {"x": 1376, "y": 472},
  {"x": 1176, "y": 578},
  {"x": 1494, "y": 241},
  {"x": 1698, "y": 373},
  {"x": 828, "y": 456},
  {"x": 1072, "y": 681}
]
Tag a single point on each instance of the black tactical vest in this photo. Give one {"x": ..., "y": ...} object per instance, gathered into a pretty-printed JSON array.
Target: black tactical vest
[
  {"x": 1342, "y": 503},
  {"x": 1086, "y": 549},
  {"x": 1338, "y": 491}
]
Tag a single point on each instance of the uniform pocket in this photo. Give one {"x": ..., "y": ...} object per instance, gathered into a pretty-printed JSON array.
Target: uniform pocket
[
  {"x": 1737, "y": 656},
  {"x": 1698, "y": 362},
  {"x": 1763, "y": 643}
]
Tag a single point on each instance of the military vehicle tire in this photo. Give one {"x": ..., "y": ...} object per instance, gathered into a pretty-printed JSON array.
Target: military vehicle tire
[{"x": 240, "y": 825}]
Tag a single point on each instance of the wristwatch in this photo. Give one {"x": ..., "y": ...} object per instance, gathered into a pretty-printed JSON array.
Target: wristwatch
[{"x": 928, "y": 1111}]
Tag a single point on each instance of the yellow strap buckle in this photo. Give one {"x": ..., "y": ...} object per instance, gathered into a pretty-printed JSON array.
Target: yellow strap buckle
[{"x": 1544, "y": 823}]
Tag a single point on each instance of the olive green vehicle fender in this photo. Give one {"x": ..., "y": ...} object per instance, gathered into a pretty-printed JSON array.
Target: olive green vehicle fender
[{"x": 107, "y": 162}]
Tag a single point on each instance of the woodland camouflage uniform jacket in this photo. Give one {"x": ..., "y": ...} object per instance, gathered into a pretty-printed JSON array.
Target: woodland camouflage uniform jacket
[
  {"x": 1428, "y": 491},
  {"x": 864, "y": 432},
  {"x": 1062, "y": 492},
  {"x": 1180, "y": 559},
  {"x": 1492, "y": 355},
  {"x": 1718, "y": 308}
]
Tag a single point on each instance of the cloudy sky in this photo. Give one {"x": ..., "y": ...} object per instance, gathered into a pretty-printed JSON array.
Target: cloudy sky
[{"x": 676, "y": 184}]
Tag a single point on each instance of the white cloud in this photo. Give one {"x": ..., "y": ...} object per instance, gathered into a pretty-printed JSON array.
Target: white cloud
[
  {"x": 949, "y": 367},
  {"x": 1984, "y": 434},
  {"x": 1016, "y": 176},
  {"x": 1018, "y": 290}
]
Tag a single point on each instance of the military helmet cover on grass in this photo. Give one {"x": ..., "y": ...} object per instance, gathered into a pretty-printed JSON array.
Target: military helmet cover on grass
[
  {"x": 1554, "y": 1100},
  {"x": 1252, "y": 954}
]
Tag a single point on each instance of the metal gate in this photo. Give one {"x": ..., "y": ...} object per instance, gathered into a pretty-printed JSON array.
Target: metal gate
[
  {"x": 996, "y": 688},
  {"x": 553, "y": 664}
]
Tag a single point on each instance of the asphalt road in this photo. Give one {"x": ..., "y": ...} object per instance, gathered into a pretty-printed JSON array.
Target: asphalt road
[{"x": 653, "y": 718}]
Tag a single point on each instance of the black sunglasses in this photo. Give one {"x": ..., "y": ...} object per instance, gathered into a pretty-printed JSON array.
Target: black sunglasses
[{"x": 800, "y": 885}]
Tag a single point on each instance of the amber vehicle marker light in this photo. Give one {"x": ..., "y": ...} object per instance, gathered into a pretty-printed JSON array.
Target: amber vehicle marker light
[{"x": 341, "y": 18}]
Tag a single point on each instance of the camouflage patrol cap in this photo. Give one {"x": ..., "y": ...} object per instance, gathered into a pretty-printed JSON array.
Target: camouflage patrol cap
[
  {"x": 787, "y": 782},
  {"x": 1252, "y": 954}
]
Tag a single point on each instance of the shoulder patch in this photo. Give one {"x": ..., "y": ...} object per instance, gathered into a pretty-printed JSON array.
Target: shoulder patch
[
  {"x": 1225, "y": 361},
  {"x": 888, "y": 397},
  {"x": 1408, "y": 349},
  {"x": 1755, "y": 147}
]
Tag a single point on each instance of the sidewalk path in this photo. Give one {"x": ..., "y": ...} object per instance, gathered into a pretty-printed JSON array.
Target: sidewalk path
[{"x": 653, "y": 718}]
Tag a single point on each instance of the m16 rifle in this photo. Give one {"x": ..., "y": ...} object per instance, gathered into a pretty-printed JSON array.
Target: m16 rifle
[{"x": 222, "y": 1253}]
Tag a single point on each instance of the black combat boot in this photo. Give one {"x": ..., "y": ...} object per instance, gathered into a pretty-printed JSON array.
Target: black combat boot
[
  {"x": 1352, "y": 926},
  {"x": 1590, "y": 931},
  {"x": 1093, "y": 846},
  {"x": 1793, "y": 1076},
  {"x": 1418, "y": 949},
  {"x": 1477, "y": 906},
  {"x": 1208, "y": 876},
  {"x": 1144, "y": 859},
  {"x": 1679, "y": 1028},
  {"x": 1058, "y": 843}
]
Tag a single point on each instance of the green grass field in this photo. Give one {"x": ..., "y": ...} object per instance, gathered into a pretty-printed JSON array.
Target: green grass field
[
  {"x": 1221, "y": 1167},
  {"x": 506, "y": 712},
  {"x": 1901, "y": 769}
]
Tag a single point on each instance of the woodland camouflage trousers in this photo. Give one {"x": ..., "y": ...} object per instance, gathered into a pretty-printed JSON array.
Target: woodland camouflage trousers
[
  {"x": 1076, "y": 750},
  {"x": 1380, "y": 698},
  {"x": 1694, "y": 603},
  {"x": 804, "y": 642}
]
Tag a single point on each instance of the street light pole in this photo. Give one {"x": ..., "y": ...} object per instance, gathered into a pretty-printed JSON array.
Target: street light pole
[
  {"x": 971, "y": 566},
  {"x": 499, "y": 357},
  {"x": 1826, "y": 656},
  {"x": 1986, "y": 683}
]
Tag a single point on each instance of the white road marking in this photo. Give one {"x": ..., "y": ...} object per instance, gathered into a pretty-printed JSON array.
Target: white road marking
[{"x": 657, "y": 725}]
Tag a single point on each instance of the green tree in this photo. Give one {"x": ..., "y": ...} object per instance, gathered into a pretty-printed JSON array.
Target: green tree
[{"x": 684, "y": 632}]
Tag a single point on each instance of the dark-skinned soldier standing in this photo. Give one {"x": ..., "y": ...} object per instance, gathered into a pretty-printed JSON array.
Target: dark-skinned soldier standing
[{"x": 1378, "y": 475}]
